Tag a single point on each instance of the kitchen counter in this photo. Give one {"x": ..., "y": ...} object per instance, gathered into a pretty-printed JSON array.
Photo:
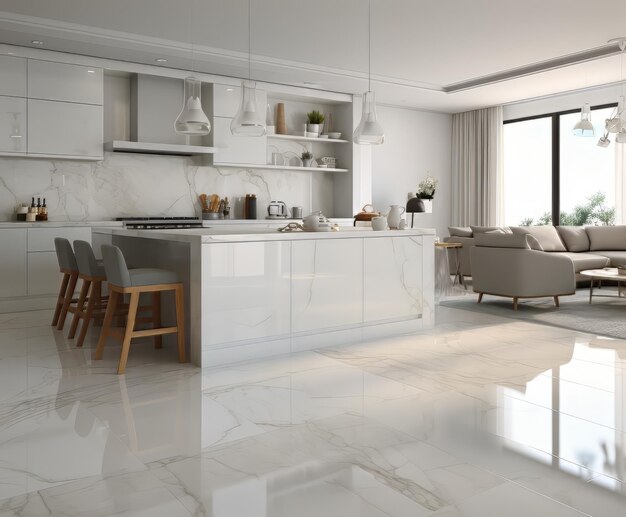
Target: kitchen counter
[
  {"x": 252, "y": 291},
  {"x": 58, "y": 224}
]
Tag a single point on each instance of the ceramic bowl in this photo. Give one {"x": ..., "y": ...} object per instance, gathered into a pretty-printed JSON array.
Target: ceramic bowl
[{"x": 379, "y": 223}]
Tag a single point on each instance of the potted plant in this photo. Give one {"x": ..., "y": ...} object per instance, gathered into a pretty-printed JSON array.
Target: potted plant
[
  {"x": 307, "y": 159},
  {"x": 426, "y": 192},
  {"x": 315, "y": 122}
]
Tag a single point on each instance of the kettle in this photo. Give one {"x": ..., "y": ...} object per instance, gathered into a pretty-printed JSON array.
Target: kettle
[{"x": 277, "y": 209}]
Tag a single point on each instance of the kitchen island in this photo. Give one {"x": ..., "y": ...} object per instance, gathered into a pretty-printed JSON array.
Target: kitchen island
[{"x": 256, "y": 292}]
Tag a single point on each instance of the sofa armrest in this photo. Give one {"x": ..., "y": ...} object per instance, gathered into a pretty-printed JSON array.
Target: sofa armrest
[{"x": 518, "y": 272}]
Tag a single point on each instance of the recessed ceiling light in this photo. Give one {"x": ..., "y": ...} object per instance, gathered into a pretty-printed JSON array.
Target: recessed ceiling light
[
  {"x": 161, "y": 60},
  {"x": 91, "y": 71},
  {"x": 37, "y": 42},
  {"x": 10, "y": 53},
  {"x": 229, "y": 89}
]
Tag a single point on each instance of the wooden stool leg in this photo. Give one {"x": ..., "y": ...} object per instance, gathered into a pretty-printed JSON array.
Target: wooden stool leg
[
  {"x": 94, "y": 301},
  {"x": 180, "y": 323},
  {"x": 80, "y": 308},
  {"x": 156, "y": 317},
  {"x": 515, "y": 303},
  {"x": 60, "y": 299},
  {"x": 69, "y": 293},
  {"x": 106, "y": 326},
  {"x": 128, "y": 333}
]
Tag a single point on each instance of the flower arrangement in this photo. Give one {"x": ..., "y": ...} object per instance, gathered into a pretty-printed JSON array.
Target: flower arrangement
[{"x": 426, "y": 188}]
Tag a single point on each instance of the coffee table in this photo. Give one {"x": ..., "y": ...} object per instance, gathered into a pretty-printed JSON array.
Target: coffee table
[{"x": 607, "y": 273}]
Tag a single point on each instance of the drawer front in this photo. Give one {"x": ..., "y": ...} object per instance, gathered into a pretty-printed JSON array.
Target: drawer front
[
  {"x": 63, "y": 128},
  {"x": 13, "y": 76},
  {"x": 43, "y": 273},
  {"x": 63, "y": 82},
  {"x": 42, "y": 239}
]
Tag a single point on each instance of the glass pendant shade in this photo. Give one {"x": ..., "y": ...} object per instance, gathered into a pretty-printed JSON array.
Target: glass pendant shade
[
  {"x": 604, "y": 141},
  {"x": 369, "y": 131},
  {"x": 192, "y": 120},
  {"x": 584, "y": 127},
  {"x": 249, "y": 120}
]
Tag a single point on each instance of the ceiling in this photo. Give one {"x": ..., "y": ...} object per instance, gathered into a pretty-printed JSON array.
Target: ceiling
[{"x": 419, "y": 47}]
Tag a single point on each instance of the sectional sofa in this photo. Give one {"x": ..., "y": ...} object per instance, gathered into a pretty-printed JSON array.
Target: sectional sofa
[{"x": 535, "y": 261}]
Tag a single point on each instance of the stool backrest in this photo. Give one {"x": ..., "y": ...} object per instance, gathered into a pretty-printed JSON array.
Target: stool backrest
[
  {"x": 115, "y": 266},
  {"x": 86, "y": 260},
  {"x": 65, "y": 254}
]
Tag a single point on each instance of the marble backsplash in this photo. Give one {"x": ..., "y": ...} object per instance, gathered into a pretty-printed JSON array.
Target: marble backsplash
[{"x": 145, "y": 185}]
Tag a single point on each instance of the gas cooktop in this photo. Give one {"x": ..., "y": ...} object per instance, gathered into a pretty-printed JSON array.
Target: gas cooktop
[{"x": 160, "y": 223}]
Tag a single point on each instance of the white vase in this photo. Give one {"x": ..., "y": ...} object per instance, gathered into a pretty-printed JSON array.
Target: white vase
[{"x": 394, "y": 216}]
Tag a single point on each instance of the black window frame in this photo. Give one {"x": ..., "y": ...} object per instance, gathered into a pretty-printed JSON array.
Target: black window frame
[{"x": 555, "y": 118}]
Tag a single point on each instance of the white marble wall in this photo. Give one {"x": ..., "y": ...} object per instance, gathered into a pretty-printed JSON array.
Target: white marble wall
[{"x": 136, "y": 184}]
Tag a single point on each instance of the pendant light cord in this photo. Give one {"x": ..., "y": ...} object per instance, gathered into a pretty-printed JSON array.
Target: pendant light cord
[
  {"x": 249, "y": 42},
  {"x": 369, "y": 46},
  {"x": 190, "y": 14}
]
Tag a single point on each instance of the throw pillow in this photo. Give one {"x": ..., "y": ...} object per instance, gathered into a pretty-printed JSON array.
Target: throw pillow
[
  {"x": 458, "y": 231},
  {"x": 547, "y": 236},
  {"x": 574, "y": 237}
]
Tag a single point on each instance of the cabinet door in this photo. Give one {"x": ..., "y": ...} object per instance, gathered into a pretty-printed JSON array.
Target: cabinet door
[
  {"x": 42, "y": 239},
  {"x": 63, "y": 128},
  {"x": 13, "y": 76},
  {"x": 392, "y": 278},
  {"x": 12, "y": 262},
  {"x": 226, "y": 100},
  {"x": 327, "y": 283},
  {"x": 63, "y": 82},
  {"x": 12, "y": 125},
  {"x": 237, "y": 149},
  {"x": 43, "y": 273}
]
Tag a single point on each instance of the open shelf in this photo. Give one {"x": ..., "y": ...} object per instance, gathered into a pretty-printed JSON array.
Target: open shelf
[
  {"x": 151, "y": 148},
  {"x": 297, "y": 138},
  {"x": 278, "y": 167}
]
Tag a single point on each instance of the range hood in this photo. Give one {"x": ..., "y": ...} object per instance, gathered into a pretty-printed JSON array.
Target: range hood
[{"x": 155, "y": 103}]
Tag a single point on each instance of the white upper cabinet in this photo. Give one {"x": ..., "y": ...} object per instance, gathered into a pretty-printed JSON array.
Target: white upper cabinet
[
  {"x": 12, "y": 125},
  {"x": 63, "y": 82},
  {"x": 226, "y": 100},
  {"x": 233, "y": 149},
  {"x": 64, "y": 128},
  {"x": 13, "y": 76}
]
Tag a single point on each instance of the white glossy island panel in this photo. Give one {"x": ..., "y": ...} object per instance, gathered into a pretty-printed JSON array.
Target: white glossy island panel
[{"x": 253, "y": 293}]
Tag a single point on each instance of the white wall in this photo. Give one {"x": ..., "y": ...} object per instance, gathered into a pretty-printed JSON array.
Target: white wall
[{"x": 417, "y": 144}]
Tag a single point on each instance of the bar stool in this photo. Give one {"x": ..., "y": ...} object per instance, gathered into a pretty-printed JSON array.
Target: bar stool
[
  {"x": 92, "y": 275},
  {"x": 69, "y": 268},
  {"x": 134, "y": 282}
]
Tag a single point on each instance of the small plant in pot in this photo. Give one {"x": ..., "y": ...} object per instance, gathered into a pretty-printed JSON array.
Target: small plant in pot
[
  {"x": 426, "y": 189},
  {"x": 315, "y": 122},
  {"x": 307, "y": 159}
]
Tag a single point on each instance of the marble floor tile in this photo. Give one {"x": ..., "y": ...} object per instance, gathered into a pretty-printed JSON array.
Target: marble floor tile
[{"x": 480, "y": 416}]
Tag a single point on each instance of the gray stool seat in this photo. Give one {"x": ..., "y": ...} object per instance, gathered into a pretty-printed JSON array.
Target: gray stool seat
[
  {"x": 151, "y": 276},
  {"x": 65, "y": 254}
]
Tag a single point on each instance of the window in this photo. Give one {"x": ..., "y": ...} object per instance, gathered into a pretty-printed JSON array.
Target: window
[
  {"x": 552, "y": 176},
  {"x": 527, "y": 171}
]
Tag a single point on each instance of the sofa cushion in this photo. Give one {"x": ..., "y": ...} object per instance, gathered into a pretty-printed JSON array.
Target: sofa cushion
[
  {"x": 533, "y": 243},
  {"x": 574, "y": 237},
  {"x": 496, "y": 239},
  {"x": 617, "y": 258},
  {"x": 584, "y": 261},
  {"x": 483, "y": 229},
  {"x": 547, "y": 236},
  {"x": 607, "y": 238},
  {"x": 459, "y": 231}
]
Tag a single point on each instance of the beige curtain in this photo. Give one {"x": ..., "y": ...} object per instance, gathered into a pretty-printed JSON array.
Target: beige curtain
[{"x": 477, "y": 167}]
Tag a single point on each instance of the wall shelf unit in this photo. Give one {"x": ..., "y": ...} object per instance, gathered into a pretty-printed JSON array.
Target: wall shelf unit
[
  {"x": 281, "y": 167},
  {"x": 296, "y": 138}
]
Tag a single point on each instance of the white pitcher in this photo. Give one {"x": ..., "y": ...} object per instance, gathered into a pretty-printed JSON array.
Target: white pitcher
[{"x": 395, "y": 216}]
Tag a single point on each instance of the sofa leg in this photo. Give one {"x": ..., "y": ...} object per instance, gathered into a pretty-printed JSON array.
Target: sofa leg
[
  {"x": 515, "y": 303},
  {"x": 480, "y": 297},
  {"x": 556, "y": 301}
]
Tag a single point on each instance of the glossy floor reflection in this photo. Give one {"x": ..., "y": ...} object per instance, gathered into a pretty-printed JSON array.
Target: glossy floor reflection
[{"x": 483, "y": 416}]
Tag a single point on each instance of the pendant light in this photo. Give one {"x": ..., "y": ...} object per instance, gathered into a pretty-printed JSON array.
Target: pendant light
[
  {"x": 249, "y": 120},
  {"x": 584, "y": 127},
  {"x": 192, "y": 119},
  {"x": 369, "y": 131}
]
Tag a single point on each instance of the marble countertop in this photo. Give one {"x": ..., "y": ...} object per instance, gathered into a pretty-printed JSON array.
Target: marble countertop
[
  {"x": 245, "y": 233},
  {"x": 58, "y": 224}
]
